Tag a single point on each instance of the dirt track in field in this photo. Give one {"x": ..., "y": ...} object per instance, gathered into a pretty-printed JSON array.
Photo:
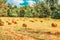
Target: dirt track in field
[{"x": 47, "y": 28}]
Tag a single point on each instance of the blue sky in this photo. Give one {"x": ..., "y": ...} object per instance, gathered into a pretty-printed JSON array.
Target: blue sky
[{"x": 20, "y": 3}]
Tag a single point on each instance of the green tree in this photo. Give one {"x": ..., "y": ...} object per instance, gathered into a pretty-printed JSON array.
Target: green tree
[
  {"x": 42, "y": 9},
  {"x": 22, "y": 13},
  {"x": 54, "y": 8},
  {"x": 9, "y": 12},
  {"x": 28, "y": 13}
]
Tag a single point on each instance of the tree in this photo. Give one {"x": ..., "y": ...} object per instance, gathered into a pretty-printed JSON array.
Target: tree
[
  {"x": 22, "y": 13},
  {"x": 2, "y": 2},
  {"x": 8, "y": 12},
  {"x": 28, "y": 13},
  {"x": 52, "y": 4},
  {"x": 42, "y": 10},
  {"x": 54, "y": 8}
]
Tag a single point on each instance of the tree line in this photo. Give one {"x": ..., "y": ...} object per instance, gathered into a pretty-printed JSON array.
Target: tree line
[{"x": 47, "y": 8}]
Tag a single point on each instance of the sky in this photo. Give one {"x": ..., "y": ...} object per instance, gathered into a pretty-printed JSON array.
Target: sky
[
  {"x": 59, "y": 1},
  {"x": 20, "y": 3}
]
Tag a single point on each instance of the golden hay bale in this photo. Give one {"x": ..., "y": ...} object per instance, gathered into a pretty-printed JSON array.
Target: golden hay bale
[{"x": 54, "y": 25}]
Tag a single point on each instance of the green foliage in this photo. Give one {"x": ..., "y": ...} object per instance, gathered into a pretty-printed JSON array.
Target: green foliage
[
  {"x": 2, "y": 1},
  {"x": 8, "y": 12},
  {"x": 49, "y": 8},
  {"x": 13, "y": 12},
  {"x": 25, "y": 11},
  {"x": 42, "y": 10},
  {"x": 22, "y": 13},
  {"x": 56, "y": 14},
  {"x": 55, "y": 10}
]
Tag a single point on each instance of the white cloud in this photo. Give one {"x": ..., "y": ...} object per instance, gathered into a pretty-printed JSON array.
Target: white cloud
[
  {"x": 18, "y": 1},
  {"x": 31, "y": 3}
]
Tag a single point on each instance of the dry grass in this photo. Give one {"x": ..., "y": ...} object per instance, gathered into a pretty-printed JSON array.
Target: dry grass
[{"x": 46, "y": 28}]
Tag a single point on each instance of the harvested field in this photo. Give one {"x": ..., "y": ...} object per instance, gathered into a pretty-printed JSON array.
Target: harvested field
[{"x": 29, "y": 28}]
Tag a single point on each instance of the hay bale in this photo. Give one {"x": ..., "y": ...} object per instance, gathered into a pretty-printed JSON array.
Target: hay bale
[{"x": 54, "y": 25}]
